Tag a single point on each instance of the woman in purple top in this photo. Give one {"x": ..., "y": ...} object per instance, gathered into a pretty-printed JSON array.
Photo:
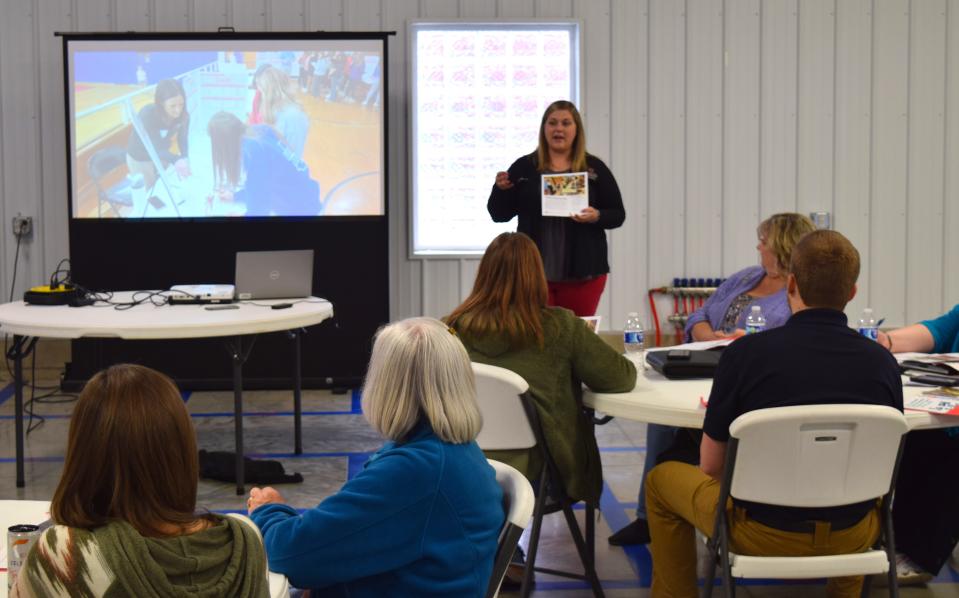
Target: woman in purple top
[{"x": 723, "y": 316}]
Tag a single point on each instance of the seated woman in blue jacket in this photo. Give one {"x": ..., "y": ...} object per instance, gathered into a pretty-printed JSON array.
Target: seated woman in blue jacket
[{"x": 423, "y": 516}]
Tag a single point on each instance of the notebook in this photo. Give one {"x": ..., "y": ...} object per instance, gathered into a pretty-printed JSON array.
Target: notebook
[{"x": 274, "y": 274}]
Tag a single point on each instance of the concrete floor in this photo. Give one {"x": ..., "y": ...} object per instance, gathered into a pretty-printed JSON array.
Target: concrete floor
[{"x": 337, "y": 441}]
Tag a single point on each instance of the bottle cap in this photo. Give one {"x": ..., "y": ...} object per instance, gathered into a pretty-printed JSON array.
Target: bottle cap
[
  {"x": 756, "y": 308},
  {"x": 632, "y": 314},
  {"x": 868, "y": 310}
]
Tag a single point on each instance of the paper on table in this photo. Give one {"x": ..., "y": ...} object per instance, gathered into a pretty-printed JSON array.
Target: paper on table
[
  {"x": 928, "y": 357},
  {"x": 941, "y": 400},
  {"x": 564, "y": 194}
]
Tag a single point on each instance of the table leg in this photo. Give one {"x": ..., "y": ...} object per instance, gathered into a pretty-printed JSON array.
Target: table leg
[
  {"x": 17, "y": 352},
  {"x": 238, "y": 419},
  {"x": 239, "y": 356},
  {"x": 18, "y": 401},
  {"x": 297, "y": 395}
]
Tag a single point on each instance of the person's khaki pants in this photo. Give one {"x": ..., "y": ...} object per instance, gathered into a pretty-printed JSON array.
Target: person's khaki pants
[{"x": 680, "y": 497}]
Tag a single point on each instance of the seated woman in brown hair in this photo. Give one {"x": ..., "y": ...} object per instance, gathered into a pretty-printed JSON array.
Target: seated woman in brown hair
[
  {"x": 505, "y": 322},
  {"x": 125, "y": 508}
]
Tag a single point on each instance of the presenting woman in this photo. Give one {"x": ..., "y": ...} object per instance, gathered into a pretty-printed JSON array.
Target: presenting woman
[
  {"x": 125, "y": 508},
  {"x": 724, "y": 313},
  {"x": 423, "y": 516},
  {"x": 723, "y": 316},
  {"x": 505, "y": 322},
  {"x": 164, "y": 121},
  {"x": 252, "y": 165},
  {"x": 924, "y": 515},
  {"x": 573, "y": 248}
]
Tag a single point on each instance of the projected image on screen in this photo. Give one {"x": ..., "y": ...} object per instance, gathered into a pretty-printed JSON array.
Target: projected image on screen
[{"x": 193, "y": 129}]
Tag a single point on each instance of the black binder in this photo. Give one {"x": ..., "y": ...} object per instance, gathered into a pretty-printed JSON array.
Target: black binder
[{"x": 684, "y": 364}]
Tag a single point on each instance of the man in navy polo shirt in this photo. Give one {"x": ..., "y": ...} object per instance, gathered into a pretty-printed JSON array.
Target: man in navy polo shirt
[{"x": 815, "y": 358}]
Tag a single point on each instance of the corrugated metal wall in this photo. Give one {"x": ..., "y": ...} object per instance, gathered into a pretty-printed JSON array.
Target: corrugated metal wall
[{"x": 712, "y": 114}]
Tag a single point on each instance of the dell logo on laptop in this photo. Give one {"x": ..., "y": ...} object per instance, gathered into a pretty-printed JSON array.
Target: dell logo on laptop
[{"x": 274, "y": 274}]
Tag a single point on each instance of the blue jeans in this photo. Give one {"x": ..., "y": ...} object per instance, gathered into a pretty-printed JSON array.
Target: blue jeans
[{"x": 658, "y": 439}]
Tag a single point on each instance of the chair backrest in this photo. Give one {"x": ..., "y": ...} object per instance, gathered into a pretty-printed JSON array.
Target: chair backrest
[
  {"x": 505, "y": 423},
  {"x": 815, "y": 455},
  {"x": 518, "y": 496},
  {"x": 105, "y": 160},
  {"x": 518, "y": 502}
]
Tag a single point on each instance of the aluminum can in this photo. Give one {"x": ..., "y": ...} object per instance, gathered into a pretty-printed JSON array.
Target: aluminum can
[{"x": 20, "y": 539}]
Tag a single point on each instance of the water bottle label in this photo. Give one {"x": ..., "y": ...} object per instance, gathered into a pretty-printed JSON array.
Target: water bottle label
[
  {"x": 633, "y": 337},
  {"x": 753, "y": 329},
  {"x": 870, "y": 333}
]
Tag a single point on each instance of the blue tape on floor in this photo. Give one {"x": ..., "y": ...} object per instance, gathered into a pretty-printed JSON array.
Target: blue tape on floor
[
  {"x": 185, "y": 394},
  {"x": 6, "y": 393},
  {"x": 357, "y": 404},
  {"x": 622, "y": 449},
  {"x": 638, "y": 556}
]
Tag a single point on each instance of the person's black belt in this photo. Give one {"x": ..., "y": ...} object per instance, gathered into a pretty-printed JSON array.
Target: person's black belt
[{"x": 804, "y": 527}]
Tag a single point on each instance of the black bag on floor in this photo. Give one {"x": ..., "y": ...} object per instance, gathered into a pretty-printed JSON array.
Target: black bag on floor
[{"x": 221, "y": 466}]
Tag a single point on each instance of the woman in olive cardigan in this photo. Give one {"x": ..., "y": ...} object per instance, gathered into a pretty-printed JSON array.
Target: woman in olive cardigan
[{"x": 505, "y": 322}]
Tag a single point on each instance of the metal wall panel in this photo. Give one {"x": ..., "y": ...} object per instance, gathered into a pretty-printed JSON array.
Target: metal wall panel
[
  {"x": 741, "y": 134},
  {"x": 925, "y": 209},
  {"x": 890, "y": 100},
  {"x": 20, "y": 144},
  {"x": 703, "y": 140},
  {"x": 172, "y": 15},
  {"x": 667, "y": 132},
  {"x": 288, "y": 15},
  {"x": 778, "y": 106},
  {"x": 815, "y": 153},
  {"x": 629, "y": 248},
  {"x": 133, "y": 15},
  {"x": 208, "y": 15},
  {"x": 51, "y": 231},
  {"x": 325, "y": 15},
  {"x": 846, "y": 105},
  {"x": 405, "y": 274},
  {"x": 950, "y": 223},
  {"x": 854, "y": 133}
]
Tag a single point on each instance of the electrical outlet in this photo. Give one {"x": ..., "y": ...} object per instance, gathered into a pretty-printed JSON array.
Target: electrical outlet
[{"x": 22, "y": 226}]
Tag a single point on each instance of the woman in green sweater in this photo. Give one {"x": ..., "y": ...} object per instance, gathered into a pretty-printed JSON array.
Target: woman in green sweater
[
  {"x": 124, "y": 510},
  {"x": 505, "y": 322}
]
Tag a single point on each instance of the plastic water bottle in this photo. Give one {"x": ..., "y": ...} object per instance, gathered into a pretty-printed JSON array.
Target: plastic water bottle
[
  {"x": 755, "y": 321},
  {"x": 634, "y": 337},
  {"x": 868, "y": 327}
]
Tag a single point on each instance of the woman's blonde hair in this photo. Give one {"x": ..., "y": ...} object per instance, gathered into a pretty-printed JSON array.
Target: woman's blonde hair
[
  {"x": 577, "y": 153},
  {"x": 509, "y": 294},
  {"x": 277, "y": 91},
  {"x": 419, "y": 370},
  {"x": 782, "y": 232}
]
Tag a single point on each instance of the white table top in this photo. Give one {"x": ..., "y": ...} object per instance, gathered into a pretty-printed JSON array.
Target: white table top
[
  {"x": 14, "y": 512},
  {"x": 658, "y": 400},
  {"x": 147, "y": 321}
]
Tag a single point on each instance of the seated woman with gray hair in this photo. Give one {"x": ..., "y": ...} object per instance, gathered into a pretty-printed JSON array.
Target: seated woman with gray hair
[{"x": 423, "y": 516}]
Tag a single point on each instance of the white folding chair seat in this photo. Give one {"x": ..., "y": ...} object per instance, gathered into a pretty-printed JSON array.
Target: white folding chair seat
[{"x": 811, "y": 456}]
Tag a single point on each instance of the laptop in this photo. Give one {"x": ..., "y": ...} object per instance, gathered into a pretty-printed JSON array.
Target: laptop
[{"x": 274, "y": 274}]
